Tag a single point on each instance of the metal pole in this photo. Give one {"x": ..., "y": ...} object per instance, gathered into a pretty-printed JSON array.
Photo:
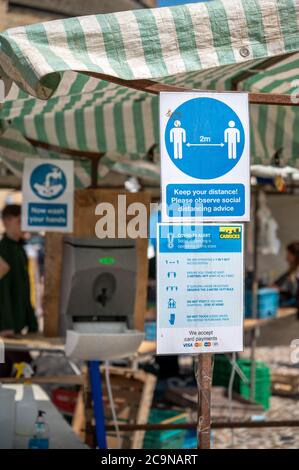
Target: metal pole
[
  {"x": 204, "y": 384},
  {"x": 214, "y": 425},
  {"x": 255, "y": 332},
  {"x": 98, "y": 406},
  {"x": 94, "y": 162}
]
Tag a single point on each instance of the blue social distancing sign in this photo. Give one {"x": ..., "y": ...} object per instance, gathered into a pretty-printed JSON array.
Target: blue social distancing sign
[{"x": 205, "y": 156}]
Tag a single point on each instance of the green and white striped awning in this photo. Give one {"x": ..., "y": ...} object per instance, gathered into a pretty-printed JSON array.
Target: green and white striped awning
[
  {"x": 14, "y": 149},
  {"x": 275, "y": 128},
  {"x": 220, "y": 45},
  {"x": 123, "y": 123},
  {"x": 150, "y": 43},
  {"x": 97, "y": 117}
]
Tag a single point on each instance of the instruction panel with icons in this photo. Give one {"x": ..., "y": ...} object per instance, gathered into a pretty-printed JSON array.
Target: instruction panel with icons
[{"x": 200, "y": 288}]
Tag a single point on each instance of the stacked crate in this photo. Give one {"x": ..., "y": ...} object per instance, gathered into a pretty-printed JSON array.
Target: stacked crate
[
  {"x": 169, "y": 439},
  {"x": 222, "y": 372}
]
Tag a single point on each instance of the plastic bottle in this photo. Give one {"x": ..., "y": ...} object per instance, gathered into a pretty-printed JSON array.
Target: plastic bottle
[
  {"x": 40, "y": 439},
  {"x": 26, "y": 408}
]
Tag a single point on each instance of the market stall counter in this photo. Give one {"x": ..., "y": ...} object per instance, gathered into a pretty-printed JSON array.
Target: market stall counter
[
  {"x": 36, "y": 342},
  {"x": 61, "y": 435}
]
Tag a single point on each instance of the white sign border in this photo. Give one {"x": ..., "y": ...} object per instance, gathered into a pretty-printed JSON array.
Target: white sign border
[
  {"x": 66, "y": 198},
  {"x": 224, "y": 97}
]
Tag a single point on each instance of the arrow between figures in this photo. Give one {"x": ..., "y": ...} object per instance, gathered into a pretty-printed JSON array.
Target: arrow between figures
[{"x": 205, "y": 145}]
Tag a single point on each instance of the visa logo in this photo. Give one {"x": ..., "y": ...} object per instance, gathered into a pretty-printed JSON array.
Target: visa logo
[{"x": 187, "y": 345}]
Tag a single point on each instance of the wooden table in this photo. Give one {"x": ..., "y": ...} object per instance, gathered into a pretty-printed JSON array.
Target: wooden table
[
  {"x": 34, "y": 342},
  {"x": 38, "y": 343},
  {"x": 251, "y": 323}
]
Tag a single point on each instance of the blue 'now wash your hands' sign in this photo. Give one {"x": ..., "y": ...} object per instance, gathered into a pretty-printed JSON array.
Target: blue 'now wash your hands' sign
[{"x": 48, "y": 194}]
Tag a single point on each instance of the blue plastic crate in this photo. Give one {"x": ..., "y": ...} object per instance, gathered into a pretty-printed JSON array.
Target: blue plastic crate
[
  {"x": 268, "y": 303},
  {"x": 150, "y": 330}
]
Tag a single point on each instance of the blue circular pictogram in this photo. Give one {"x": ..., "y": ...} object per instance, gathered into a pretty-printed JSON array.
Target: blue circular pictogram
[
  {"x": 48, "y": 181},
  {"x": 204, "y": 138}
]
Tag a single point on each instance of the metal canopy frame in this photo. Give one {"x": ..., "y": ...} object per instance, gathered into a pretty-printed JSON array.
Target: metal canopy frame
[
  {"x": 155, "y": 88},
  {"x": 150, "y": 86}
]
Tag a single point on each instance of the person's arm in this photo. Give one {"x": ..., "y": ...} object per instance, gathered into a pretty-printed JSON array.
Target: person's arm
[
  {"x": 4, "y": 268},
  {"x": 279, "y": 283},
  {"x": 5, "y": 326}
]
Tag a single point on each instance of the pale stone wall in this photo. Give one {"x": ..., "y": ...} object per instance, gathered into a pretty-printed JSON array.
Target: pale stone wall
[
  {"x": 17, "y": 17},
  {"x": 79, "y": 7},
  {"x": 13, "y": 17}
]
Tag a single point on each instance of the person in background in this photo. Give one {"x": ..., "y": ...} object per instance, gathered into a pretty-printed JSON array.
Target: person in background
[
  {"x": 16, "y": 312},
  {"x": 288, "y": 283}
]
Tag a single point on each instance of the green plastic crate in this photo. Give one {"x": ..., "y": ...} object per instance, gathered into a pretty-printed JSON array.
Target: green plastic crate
[
  {"x": 262, "y": 382},
  {"x": 167, "y": 439},
  {"x": 222, "y": 371}
]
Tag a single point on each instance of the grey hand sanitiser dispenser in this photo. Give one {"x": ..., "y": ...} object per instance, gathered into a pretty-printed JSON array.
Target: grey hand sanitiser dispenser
[{"x": 97, "y": 298}]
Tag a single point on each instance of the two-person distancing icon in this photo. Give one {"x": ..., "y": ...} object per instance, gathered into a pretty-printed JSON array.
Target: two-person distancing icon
[
  {"x": 206, "y": 139},
  {"x": 231, "y": 137}
]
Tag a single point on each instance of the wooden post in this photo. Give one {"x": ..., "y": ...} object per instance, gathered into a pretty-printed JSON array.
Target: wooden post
[
  {"x": 204, "y": 384},
  {"x": 94, "y": 162},
  {"x": 94, "y": 172}
]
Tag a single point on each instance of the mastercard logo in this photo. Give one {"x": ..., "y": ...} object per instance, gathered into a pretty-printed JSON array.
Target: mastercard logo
[{"x": 198, "y": 345}]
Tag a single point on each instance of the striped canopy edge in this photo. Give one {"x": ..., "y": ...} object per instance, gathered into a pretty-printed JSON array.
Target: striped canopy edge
[
  {"x": 150, "y": 43},
  {"x": 14, "y": 149}
]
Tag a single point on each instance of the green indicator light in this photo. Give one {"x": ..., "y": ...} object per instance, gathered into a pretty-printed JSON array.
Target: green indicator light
[{"x": 107, "y": 260}]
